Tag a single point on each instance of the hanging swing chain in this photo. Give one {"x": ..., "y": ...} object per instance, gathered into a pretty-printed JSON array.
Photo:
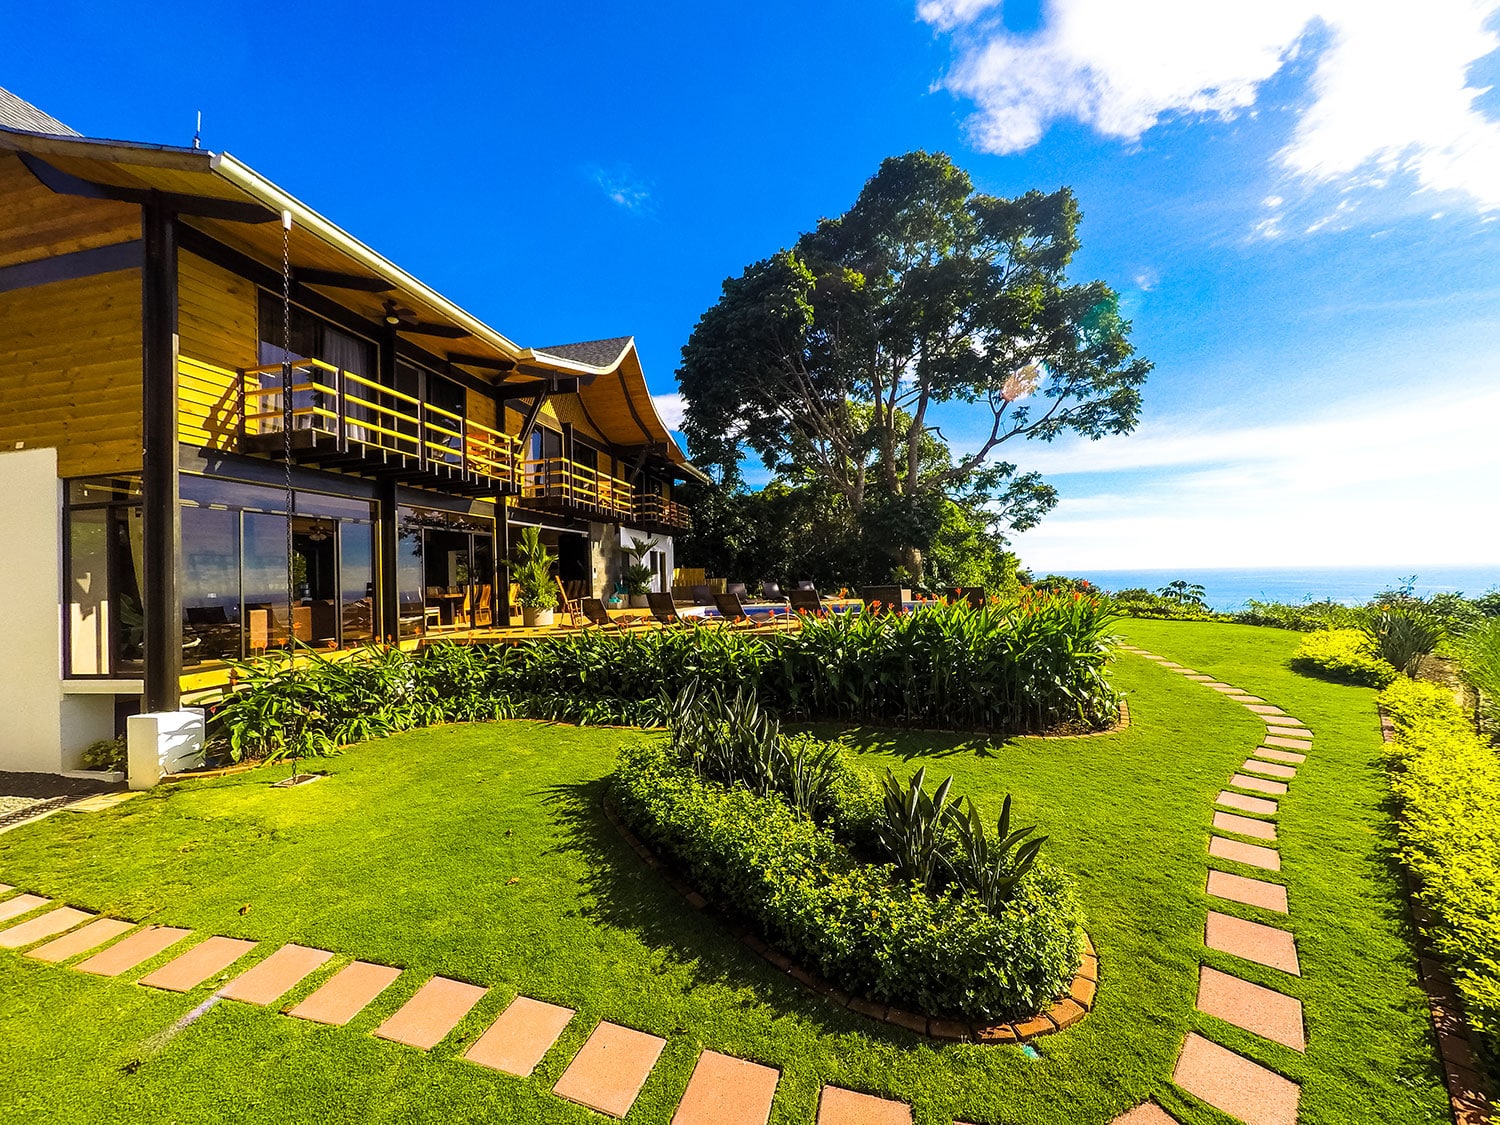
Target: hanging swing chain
[{"x": 286, "y": 443}]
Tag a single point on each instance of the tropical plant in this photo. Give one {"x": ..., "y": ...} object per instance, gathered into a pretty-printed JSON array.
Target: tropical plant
[
  {"x": 1403, "y": 634},
  {"x": 105, "y": 754},
  {"x": 914, "y": 829},
  {"x": 1478, "y": 653},
  {"x": 992, "y": 869},
  {"x": 1183, "y": 592},
  {"x": 637, "y": 577},
  {"x": 532, "y": 570}
]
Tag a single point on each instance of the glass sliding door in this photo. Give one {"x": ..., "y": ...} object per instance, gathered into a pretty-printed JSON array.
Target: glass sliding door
[
  {"x": 210, "y": 585},
  {"x": 263, "y": 575},
  {"x": 105, "y": 622},
  {"x": 357, "y": 582}
]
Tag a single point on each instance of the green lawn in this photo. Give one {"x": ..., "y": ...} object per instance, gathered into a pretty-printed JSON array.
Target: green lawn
[{"x": 480, "y": 852}]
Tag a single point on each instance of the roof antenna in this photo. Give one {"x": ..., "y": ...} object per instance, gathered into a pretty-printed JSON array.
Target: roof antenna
[{"x": 198, "y": 129}]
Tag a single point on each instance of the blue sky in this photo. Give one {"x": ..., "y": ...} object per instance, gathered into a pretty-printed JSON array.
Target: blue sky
[{"x": 1296, "y": 201}]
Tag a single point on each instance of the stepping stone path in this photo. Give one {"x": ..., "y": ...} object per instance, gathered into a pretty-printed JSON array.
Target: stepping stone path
[
  {"x": 1229, "y": 1082},
  {"x": 609, "y": 1071}
]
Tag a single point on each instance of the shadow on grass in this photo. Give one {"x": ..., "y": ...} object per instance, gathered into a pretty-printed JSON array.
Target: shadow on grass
[{"x": 631, "y": 896}]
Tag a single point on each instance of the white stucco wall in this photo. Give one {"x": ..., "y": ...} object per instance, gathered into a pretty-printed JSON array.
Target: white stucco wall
[
  {"x": 31, "y": 698},
  {"x": 629, "y": 535}
]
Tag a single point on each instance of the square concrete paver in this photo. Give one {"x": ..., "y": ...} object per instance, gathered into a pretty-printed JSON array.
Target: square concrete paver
[
  {"x": 1147, "y": 1113},
  {"x": 727, "y": 1091},
  {"x": 435, "y": 1010},
  {"x": 92, "y": 936},
  {"x": 42, "y": 927},
  {"x": 1277, "y": 731},
  {"x": 344, "y": 995},
  {"x": 1302, "y": 744},
  {"x": 1251, "y": 892},
  {"x": 6, "y": 888},
  {"x": 1263, "y": 1011},
  {"x": 1263, "y": 709},
  {"x": 140, "y": 946},
  {"x": 1245, "y": 825},
  {"x": 610, "y": 1070},
  {"x": 21, "y": 904},
  {"x": 1267, "y": 859},
  {"x": 277, "y": 975},
  {"x": 839, "y": 1106},
  {"x": 1223, "y": 688},
  {"x": 1270, "y": 769},
  {"x": 1234, "y": 1085},
  {"x": 1291, "y": 757},
  {"x": 1258, "y": 784},
  {"x": 516, "y": 1041},
  {"x": 206, "y": 959},
  {"x": 1245, "y": 803},
  {"x": 1265, "y": 945}
]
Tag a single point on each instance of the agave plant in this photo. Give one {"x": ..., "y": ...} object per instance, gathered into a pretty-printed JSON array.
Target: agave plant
[
  {"x": 913, "y": 829},
  {"x": 993, "y": 868},
  {"x": 1403, "y": 635}
]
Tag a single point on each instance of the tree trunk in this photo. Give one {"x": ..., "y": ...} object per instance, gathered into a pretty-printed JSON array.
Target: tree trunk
[{"x": 911, "y": 561}]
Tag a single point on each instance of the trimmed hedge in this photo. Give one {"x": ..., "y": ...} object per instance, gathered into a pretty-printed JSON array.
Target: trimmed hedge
[
  {"x": 1447, "y": 782},
  {"x": 1345, "y": 655},
  {"x": 944, "y": 955}
]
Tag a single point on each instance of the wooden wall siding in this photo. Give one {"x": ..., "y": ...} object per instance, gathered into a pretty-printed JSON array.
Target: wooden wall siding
[
  {"x": 35, "y": 223},
  {"x": 481, "y": 409},
  {"x": 70, "y": 372},
  {"x": 217, "y": 335}
]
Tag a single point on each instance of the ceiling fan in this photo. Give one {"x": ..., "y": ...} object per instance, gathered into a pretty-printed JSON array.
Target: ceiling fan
[{"x": 403, "y": 319}]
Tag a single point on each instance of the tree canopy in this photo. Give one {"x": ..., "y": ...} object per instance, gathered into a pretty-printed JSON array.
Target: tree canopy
[{"x": 827, "y": 360}]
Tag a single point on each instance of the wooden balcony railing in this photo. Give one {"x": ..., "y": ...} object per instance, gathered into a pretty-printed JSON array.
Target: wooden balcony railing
[
  {"x": 354, "y": 415},
  {"x": 556, "y": 481},
  {"x": 656, "y": 511}
]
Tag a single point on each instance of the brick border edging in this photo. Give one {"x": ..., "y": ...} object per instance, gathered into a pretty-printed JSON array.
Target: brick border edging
[
  {"x": 1467, "y": 1088},
  {"x": 1064, "y": 1013}
]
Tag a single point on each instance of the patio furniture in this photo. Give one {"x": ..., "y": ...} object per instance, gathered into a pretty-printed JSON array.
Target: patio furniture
[
  {"x": 883, "y": 599},
  {"x": 569, "y": 605},
  {"x": 806, "y": 601},
  {"x": 976, "y": 596},
  {"x": 483, "y": 613},
  {"x": 732, "y": 610},
  {"x": 737, "y": 589},
  {"x": 771, "y": 591},
  {"x": 806, "y": 584},
  {"x": 664, "y": 609},
  {"x": 702, "y": 595}
]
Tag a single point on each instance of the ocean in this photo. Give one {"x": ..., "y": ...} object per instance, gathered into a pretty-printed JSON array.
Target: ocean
[{"x": 1227, "y": 590}]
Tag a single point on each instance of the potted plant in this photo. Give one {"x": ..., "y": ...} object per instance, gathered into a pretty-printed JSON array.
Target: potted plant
[
  {"x": 532, "y": 573},
  {"x": 638, "y": 575},
  {"x": 638, "y": 584}
]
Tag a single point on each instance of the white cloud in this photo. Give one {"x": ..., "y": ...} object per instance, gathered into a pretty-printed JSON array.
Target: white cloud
[
  {"x": 1390, "y": 92},
  {"x": 1375, "y": 482},
  {"x": 623, "y": 189},
  {"x": 670, "y": 406}
]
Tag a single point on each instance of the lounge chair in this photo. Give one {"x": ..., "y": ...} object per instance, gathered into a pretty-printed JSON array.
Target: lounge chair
[
  {"x": 882, "y": 599},
  {"x": 702, "y": 595},
  {"x": 806, "y": 584},
  {"x": 732, "y": 610},
  {"x": 738, "y": 589},
  {"x": 771, "y": 591},
  {"x": 806, "y": 601},
  {"x": 664, "y": 609},
  {"x": 976, "y": 596}
]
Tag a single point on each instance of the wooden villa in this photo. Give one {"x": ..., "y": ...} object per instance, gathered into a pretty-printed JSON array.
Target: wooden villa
[{"x": 153, "y": 498}]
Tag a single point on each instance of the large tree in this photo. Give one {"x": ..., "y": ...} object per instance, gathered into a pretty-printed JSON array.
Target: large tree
[{"x": 827, "y": 360}]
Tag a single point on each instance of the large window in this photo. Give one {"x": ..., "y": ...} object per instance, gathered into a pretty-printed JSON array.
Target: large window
[
  {"x": 446, "y": 571},
  {"x": 240, "y": 597},
  {"x": 105, "y": 623}
]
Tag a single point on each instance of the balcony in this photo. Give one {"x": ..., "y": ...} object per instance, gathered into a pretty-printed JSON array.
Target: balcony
[
  {"x": 660, "y": 515},
  {"x": 343, "y": 420},
  {"x": 556, "y": 483}
]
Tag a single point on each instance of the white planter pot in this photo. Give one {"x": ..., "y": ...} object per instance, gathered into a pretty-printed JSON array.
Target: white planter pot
[
  {"x": 638, "y": 601},
  {"x": 536, "y": 616}
]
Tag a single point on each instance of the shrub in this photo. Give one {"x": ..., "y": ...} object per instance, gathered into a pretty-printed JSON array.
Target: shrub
[
  {"x": 106, "y": 754},
  {"x": 855, "y": 923},
  {"x": 1306, "y": 618},
  {"x": 1402, "y": 635},
  {"x": 1447, "y": 784},
  {"x": 1137, "y": 601},
  {"x": 1345, "y": 655},
  {"x": 1478, "y": 653}
]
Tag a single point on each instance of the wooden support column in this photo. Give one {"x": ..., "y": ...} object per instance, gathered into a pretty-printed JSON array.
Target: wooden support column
[
  {"x": 570, "y": 470},
  {"x": 161, "y": 521},
  {"x": 388, "y": 578}
]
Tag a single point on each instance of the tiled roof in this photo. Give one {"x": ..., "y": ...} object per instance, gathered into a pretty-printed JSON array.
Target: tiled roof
[
  {"x": 18, "y": 114},
  {"x": 595, "y": 353}
]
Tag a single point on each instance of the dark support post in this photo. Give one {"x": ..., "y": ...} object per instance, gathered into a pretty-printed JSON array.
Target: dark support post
[
  {"x": 390, "y": 553},
  {"x": 161, "y": 522},
  {"x": 570, "y": 469},
  {"x": 501, "y": 600}
]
